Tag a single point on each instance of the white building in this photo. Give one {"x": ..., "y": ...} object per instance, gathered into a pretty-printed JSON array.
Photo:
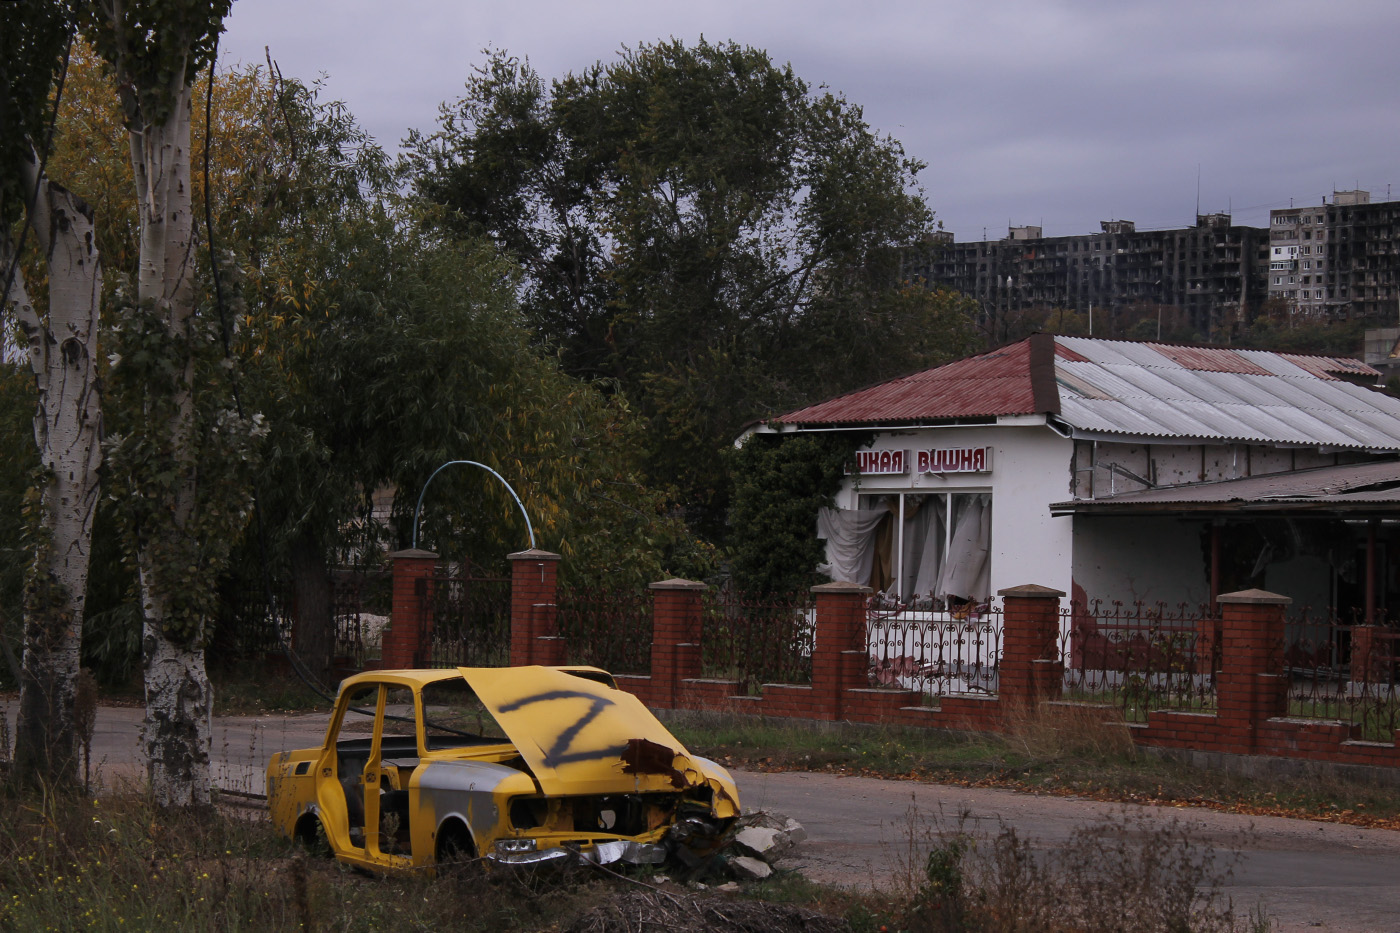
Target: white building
[{"x": 1121, "y": 471}]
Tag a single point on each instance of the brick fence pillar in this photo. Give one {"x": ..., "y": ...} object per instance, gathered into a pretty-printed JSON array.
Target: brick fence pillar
[
  {"x": 405, "y": 641},
  {"x": 1030, "y": 668},
  {"x": 840, "y": 658},
  {"x": 675, "y": 639},
  {"x": 534, "y": 609},
  {"x": 1252, "y": 686}
]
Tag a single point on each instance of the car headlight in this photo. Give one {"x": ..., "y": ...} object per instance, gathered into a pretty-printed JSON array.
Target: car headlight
[{"x": 505, "y": 848}]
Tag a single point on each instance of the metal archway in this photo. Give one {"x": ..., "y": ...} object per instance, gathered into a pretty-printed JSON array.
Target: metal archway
[{"x": 418, "y": 509}]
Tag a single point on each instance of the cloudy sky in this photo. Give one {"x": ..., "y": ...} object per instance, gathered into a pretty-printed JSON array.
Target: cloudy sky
[{"x": 1054, "y": 113}]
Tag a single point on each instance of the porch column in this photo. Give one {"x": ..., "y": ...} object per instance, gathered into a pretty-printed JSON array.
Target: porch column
[{"x": 1371, "y": 572}]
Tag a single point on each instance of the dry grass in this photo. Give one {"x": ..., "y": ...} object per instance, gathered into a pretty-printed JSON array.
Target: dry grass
[
  {"x": 1129, "y": 875},
  {"x": 1052, "y": 732}
]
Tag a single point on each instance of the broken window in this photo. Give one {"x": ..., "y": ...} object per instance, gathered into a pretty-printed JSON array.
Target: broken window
[{"x": 932, "y": 550}]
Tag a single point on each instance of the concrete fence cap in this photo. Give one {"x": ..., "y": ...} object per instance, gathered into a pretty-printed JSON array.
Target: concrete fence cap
[
  {"x": 413, "y": 553},
  {"x": 1255, "y": 598},
  {"x": 1031, "y": 591},
  {"x": 841, "y": 586},
  {"x": 676, "y": 583},
  {"x": 533, "y": 554}
]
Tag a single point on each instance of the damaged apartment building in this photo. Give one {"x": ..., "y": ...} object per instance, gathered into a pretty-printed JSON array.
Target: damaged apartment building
[
  {"x": 1211, "y": 272},
  {"x": 1120, "y": 471},
  {"x": 1337, "y": 260}
]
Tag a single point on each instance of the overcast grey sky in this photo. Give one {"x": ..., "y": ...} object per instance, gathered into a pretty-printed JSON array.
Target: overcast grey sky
[{"x": 1054, "y": 113}]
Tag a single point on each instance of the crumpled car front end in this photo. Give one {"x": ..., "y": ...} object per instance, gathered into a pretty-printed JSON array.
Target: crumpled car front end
[{"x": 608, "y": 783}]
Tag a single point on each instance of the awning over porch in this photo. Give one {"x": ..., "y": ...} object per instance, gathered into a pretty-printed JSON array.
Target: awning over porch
[{"x": 1369, "y": 488}]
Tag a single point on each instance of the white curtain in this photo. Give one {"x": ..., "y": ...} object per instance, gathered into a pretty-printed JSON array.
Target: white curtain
[
  {"x": 967, "y": 571},
  {"x": 850, "y": 542},
  {"x": 923, "y": 548}
]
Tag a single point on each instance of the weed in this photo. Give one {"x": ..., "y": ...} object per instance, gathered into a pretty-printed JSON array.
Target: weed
[{"x": 1130, "y": 875}]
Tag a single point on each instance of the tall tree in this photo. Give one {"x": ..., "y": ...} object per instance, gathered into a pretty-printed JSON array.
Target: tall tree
[
  {"x": 699, "y": 225},
  {"x": 180, "y": 516},
  {"x": 59, "y": 329}
]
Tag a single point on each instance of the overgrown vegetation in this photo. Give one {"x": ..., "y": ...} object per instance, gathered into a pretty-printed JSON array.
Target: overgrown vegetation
[
  {"x": 779, "y": 484},
  {"x": 118, "y": 863},
  {"x": 1128, "y": 874}
]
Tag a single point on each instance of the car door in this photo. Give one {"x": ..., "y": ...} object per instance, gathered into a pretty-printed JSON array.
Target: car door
[{"x": 340, "y": 792}]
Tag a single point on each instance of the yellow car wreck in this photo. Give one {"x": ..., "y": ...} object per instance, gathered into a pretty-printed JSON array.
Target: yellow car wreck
[{"x": 517, "y": 764}]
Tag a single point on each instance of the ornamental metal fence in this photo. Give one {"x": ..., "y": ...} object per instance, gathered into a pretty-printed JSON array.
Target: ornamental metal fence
[
  {"x": 1340, "y": 669},
  {"x": 469, "y": 621},
  {"x": 1140, "y": 656},
  {"x": 611, "y": 629},
  {"x": 936, "y": 652},
  {"x": 757, "y": 640}
]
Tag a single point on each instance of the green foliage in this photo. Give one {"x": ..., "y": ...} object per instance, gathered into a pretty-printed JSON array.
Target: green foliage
[
  {"x": 700, "y": 226},
  {"x": 33, "y": 37},
  {"x": 779, "y": 484},
  {"x": 155, "y": 373},
  {"x": 155, "y": 47},
  {"x": 16, "y": 474},
  {"x": 1333, "y": 338}
]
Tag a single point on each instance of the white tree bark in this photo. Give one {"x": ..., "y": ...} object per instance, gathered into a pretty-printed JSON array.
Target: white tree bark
[
  {"x": 178, "y": 697},
  {"x": 62, "y": 350}
]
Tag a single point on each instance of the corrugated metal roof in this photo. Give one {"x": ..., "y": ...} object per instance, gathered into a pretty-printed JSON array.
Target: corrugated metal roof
[
  {"x": 995, "y": 383},
  {"x": 1216, "y": 394},
  {"x": 1142, "y": 390},
  {"x": 1376, "y": 482}
]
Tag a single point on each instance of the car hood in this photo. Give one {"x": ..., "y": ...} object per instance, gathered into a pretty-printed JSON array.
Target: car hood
[{"x": 583, "y": 737}]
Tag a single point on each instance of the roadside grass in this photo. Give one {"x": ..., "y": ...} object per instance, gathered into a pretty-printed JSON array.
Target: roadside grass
[
  {"x": 119, "y": 863},
  {"x": 247, "y": 688},
  {"x": 1066, "y": 751}
]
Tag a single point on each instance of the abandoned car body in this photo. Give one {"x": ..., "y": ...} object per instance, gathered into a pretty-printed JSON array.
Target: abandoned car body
[{"x": 525, "y": 764}]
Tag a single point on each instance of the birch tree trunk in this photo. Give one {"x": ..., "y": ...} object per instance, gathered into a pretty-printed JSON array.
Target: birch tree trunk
[
  {"x": 178, "y": 698},
  {"x": 62, "y": 349}
]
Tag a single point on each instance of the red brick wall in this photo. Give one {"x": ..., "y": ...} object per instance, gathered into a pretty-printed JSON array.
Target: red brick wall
[{"x": 1251, "y": 684}]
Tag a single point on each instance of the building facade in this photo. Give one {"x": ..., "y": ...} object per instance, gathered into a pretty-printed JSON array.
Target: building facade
[
  {"x": 1337, "y": 260},
  {"x": 1120, "y": 471},
  {"x": 1212, "y": 272}
]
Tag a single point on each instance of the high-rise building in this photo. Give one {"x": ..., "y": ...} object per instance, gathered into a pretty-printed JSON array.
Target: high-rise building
[
  {"x": 1337, "y": 260},
  {"x": 1211, "y": 272}
]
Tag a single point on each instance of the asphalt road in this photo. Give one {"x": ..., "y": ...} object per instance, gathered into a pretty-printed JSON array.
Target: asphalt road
[{"x": 1308, "y": 876}]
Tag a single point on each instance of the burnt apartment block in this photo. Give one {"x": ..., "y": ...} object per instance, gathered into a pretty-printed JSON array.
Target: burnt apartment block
[{"x": 1211, "y": 272}]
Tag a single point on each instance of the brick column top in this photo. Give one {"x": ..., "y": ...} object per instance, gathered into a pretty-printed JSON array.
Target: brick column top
[
  {"x": 413, "y": 553},
  {"x": 676, "y": 583},
  {"x": 841, "y": 586},
  {"x": 533, "y": 554},
  {"x": 1255, "y": 598},
  {"x": 1031, "y": 591}
]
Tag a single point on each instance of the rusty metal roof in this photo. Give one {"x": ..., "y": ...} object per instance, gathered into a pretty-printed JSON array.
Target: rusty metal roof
[
  {"x": 1118, "y": 388},
  {"x": 1364, "y": 485},
  {"x": 990, "y": 384}
]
